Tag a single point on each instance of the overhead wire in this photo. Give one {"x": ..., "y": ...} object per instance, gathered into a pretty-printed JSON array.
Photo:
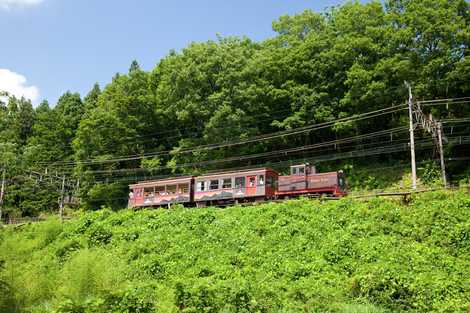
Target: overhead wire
[
  {"x": 297, "y": 149},
  {"x": 424, "y": 144},
  {"x": 250, "y": 140},
  {"x": 261, "y": 155},
  {"x": 211, "y": 146},
  {"x": 290, "y": 150},
  {"x": 387, "y": 132},
  {"x": 245, "y": 141},
  {"x": 281, "y": 152}
]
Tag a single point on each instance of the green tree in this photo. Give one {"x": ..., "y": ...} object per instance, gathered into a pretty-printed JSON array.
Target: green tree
[{"x": 91, "y": 99}]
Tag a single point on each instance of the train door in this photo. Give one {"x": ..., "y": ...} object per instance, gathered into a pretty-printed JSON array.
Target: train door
[
  {"x": 138, "y": 196},
  {"x": 251, "y": 185}
]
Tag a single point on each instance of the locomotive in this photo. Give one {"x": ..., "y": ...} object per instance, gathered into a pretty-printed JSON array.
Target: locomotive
[{"x": 223, "y": 188}]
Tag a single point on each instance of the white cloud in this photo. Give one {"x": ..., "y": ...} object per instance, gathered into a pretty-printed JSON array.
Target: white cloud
[
  {"x": 10, "y": 4},
  {"x": 15, "y": 84}
]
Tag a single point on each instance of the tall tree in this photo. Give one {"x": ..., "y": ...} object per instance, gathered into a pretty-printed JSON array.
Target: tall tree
[
  {"x": 69, "y": 110},
  {"x": 91, "y": 99}
]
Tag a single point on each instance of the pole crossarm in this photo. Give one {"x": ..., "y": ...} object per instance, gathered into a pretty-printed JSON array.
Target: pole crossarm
[{"x": 431, "y": 126}]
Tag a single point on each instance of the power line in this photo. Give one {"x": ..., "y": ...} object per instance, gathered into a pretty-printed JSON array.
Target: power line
[
  {"x": 445, "y": 100},
  {"x": 272, "y": 153},
  {"x": 317, "y": 146},
  {"x": 245, "y": 141},
  {"x": 423, "y": 144},
  {"x": 211, "y": 146},
  {"x": 387, "y": 132},
  {"x": 251, "y": 123}
]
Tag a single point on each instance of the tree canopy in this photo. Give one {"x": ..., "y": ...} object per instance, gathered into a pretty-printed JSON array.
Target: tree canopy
[{"x": 319, "y": 67}]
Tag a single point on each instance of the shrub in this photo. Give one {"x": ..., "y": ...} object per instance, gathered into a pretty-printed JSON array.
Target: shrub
[
  {"x": 98, "y": 234},
  {"x": 89, "y": 273},
  {"x": 66, "y": 247},
  {"x": 299, "y": 255}
]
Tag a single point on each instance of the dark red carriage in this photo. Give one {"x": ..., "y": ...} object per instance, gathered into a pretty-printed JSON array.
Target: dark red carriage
[{"x": 304, "y": 180}]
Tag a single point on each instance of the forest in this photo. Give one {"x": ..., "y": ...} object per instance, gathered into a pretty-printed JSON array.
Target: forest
[{"x": 216, "y": 105}]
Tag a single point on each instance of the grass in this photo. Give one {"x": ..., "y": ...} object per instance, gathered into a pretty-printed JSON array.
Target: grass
[{"x": 294, "y": 256}]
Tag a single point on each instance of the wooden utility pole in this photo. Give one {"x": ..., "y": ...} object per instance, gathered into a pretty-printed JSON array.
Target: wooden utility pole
[
  {"x": 2, "y": 192},
  {"x": 61, "y": 203},
  {"x": 412, "y": 136},
  {"x": 441, "y": 153}
]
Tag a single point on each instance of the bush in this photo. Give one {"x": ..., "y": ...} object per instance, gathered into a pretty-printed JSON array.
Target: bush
[
  {"x": 298, "y": 255},
  {"x": 90, "y": 273}
]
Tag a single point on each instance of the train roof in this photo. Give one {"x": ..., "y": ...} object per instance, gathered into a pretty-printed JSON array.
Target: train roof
[
  {"x": 235, "y": 172},
  {"x": 176, "y": 180},
  {"x": 168, "y": 180}
]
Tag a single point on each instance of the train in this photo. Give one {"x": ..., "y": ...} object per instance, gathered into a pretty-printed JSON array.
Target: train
[{"x": 233, "y": 187}]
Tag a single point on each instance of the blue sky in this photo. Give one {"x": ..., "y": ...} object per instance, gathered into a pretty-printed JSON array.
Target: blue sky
[{"x": 50, "y": 46}]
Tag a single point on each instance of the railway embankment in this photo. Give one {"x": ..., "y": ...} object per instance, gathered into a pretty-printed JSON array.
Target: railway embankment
[{"x": 380, "y": 255}]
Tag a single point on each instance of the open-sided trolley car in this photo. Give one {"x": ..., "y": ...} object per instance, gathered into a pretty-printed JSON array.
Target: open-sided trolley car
[{"x": 162, "y": 192}]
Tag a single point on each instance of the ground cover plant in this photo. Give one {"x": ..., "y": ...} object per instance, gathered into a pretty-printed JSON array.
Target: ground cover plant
[{"x": 294, "y": 256}]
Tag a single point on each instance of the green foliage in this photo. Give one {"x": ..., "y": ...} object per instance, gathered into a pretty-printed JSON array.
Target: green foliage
[
  {"x": 90, "y": 273},
  {"x": 299, "y": 255},
  {"x": 318, "y": 67},
  {"x": 431, "y": 174},
  {"x": 111, "y": 195}
]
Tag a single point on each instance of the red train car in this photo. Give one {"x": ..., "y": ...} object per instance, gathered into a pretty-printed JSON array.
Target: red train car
[
  {"x": 236, "y": 186},
  {"x": 162, "y": 192},
  {"x": 226, "y": 187},
  {"x": 303, "y": 179}
]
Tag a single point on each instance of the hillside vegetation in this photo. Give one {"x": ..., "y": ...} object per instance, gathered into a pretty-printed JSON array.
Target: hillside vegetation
[
  {"x": 318, "y": 67},
  {"x": 294, "y": 256}
]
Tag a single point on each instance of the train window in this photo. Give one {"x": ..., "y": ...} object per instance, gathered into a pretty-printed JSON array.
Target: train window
[
  {"x": 239, "y": 182},
  {"x": 160, "y": 190},
  {"x": 261, "y": 179},
  {"x": 183, "y": 188},
  {"x": 171, "y": 189},
  {"x": 201, "y": 186},
  {"x": 149, "y": 192},
  {"x": 252, "y": 181},
  {"x": 301, "y": 170},
  {"x": 214, "y": 184},
  {"x": 227, "y": 183},
  {"x": 269, "y": 181}
]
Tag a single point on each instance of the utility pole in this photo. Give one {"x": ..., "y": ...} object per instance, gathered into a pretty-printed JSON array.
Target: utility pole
[
  {"x": 2, "y": 192},
  {"x": 412, "y": 136},
  {"x": 441, "y": 153},
  {"x": 61, "y": 203}
]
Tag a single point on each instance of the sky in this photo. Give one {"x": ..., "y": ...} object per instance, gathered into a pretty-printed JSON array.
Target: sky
[{"x": 48, "y": 47}]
